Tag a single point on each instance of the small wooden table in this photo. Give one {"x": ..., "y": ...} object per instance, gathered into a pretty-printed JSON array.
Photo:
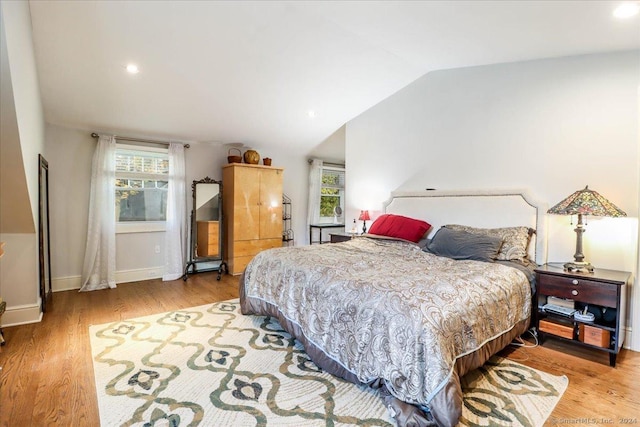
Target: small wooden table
[{"x": 321, "y": 227}]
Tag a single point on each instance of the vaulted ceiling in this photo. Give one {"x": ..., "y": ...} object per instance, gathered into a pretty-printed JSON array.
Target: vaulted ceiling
[{"x": 251, "y": 71}]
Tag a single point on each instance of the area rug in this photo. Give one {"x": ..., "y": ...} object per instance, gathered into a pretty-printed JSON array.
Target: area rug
[{"x": 212, "y": 366}]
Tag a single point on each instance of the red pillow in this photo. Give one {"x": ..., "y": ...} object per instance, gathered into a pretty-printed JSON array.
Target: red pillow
[{"x": 400, "y": 226}]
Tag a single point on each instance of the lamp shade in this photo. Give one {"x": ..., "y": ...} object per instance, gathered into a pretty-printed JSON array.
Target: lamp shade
[
  {"x": 364, "y": 216},
  {"x": 586, "y": 202}
]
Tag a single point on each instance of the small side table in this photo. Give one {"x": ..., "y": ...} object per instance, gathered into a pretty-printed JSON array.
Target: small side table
[
  {"x": 604, "y": 289},
  {"x": 321, "y": 227}
]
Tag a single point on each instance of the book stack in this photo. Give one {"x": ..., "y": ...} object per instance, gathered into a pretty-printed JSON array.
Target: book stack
[{"x": 561, "y": 302}]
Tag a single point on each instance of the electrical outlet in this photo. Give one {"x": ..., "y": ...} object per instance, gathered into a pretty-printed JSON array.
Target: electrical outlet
[{"x": 157, "y": 249}]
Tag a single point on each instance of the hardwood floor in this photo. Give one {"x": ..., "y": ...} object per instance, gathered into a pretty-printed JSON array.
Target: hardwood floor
[
  {"x": 47, "y": 371},
  {"x": 597, "y": 394}
]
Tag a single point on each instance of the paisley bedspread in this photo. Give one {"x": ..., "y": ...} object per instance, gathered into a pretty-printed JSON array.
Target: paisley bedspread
[{"x": 390, "y": 314}]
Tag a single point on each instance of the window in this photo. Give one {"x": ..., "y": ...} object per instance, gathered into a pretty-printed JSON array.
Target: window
[
  {"x": 332, "y": 194},
  {"x": 142, "y": 178}
]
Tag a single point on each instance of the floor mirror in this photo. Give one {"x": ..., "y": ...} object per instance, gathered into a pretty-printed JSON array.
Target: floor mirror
[
  {"x": 46, "y": 290},
  {"x": 206, "y": 229}
]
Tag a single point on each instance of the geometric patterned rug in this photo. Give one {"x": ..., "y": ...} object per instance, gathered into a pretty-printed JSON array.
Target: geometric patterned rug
[{"x": 212, "y": 366}]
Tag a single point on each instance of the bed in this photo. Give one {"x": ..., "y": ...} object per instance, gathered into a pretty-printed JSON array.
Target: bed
[{"x": 391, "y": 314}]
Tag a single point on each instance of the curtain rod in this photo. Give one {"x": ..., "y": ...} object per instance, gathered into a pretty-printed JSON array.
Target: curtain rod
[
  {"x": 150, "y": 141},
  {"x": 341, "y": 165}
]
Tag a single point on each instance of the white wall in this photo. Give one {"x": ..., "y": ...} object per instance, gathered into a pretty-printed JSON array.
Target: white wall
[
  {"x": 332, "y": 148},
  {"x": 26, "y": 92},
  {"x": 15, "y": 206},
  {"x": 20, "y": 279},
  {"x": 19, "y": 275},
  {"x": 548, "y": 126},
  {"x": 70, "y": 152}
]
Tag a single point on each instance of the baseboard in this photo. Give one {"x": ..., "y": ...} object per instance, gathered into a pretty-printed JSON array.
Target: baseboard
[
  {"x": 126, "y": 276},
  {"x": 61, "y": 284},
  {"x": 628, "y": 340},
  {"x": 70, "y": 283},
  {"x": 22, "y": 315}
]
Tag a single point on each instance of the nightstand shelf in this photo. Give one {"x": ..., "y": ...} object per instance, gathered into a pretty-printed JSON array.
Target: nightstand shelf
[{"x": 604, "y": 290}]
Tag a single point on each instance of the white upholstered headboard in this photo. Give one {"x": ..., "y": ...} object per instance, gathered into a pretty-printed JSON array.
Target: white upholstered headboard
[{"x": 487, "y": 209}]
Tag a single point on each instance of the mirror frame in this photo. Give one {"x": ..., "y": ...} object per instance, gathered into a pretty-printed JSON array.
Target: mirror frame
[
  {"x": 193, "y": 258},
  {"x": 46, "y": 295}
]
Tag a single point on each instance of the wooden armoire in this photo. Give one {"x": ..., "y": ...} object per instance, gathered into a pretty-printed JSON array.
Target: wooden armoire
[{"x": 252, "y": 208}]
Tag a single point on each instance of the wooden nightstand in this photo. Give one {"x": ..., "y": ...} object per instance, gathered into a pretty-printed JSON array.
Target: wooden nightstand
[
  {"x": 340, "y": 237},
  {"x": 603, "y": 290}
]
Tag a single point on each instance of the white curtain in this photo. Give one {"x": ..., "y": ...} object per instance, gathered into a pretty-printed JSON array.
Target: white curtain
[
  {"x": 315, "y": 183},
  {"x": 176, "y": 235},
  {"x": 99, "y": 267}
]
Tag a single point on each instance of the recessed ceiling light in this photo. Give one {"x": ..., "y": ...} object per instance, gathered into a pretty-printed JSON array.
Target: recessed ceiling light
[
  {"x": 132, "y": 69},
  {"x": 311, "y": 113},
  {"x": 626, "y": 10}
]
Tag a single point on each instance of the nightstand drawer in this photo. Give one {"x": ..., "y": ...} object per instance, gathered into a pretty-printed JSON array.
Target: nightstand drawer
[{"x": 583, "y": 290}]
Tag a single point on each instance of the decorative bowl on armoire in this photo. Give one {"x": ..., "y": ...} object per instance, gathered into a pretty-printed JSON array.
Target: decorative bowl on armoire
[{"x": 251, "y": 157}]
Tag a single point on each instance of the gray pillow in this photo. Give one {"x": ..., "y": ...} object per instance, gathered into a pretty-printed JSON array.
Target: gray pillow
[
  {"x": 515, "y": 240},
  {"x": 456, "y": 244}
]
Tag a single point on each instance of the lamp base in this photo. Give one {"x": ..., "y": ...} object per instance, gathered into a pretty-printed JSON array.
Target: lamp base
[{"x": 579, "y": 267}]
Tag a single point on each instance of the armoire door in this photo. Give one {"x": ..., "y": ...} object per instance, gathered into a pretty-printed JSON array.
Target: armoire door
[
  {"x": 271, "y": 204},
  {"x": 246, "y": 204}
]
